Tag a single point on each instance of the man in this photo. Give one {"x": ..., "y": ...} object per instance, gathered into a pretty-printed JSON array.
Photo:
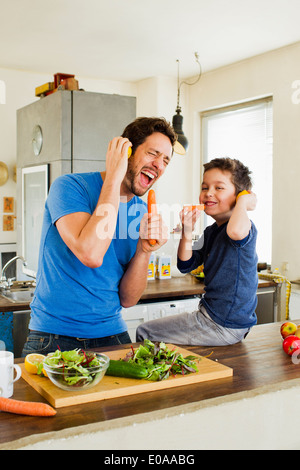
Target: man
[{"x": 95, "y": 249}]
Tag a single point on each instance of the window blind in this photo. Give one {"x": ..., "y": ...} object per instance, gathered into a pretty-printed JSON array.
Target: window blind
[{"x": 245, "y": 132}]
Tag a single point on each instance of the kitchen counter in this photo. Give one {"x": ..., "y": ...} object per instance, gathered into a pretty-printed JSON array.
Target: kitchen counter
[
  {"x": 261, "y": 371},
  {"x": 14, "y": 316},
  {"x": 184, "y": 286},
  {"x": 8, "y": 306}
]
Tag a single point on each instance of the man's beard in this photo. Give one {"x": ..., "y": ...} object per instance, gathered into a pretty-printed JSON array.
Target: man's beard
[{"x": 131, "y": 184}]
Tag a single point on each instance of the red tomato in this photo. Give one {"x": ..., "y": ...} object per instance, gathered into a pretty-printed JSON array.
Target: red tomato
[{"x": 291, "y": 344}]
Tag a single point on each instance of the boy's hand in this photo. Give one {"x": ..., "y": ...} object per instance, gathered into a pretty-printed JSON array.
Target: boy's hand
[
  {"x": 239, "y": 223},
  {"x": 188, "y": 219}
]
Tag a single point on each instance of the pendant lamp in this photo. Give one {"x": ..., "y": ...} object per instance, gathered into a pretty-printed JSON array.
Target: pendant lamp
[{"x": 182, "y": 144}]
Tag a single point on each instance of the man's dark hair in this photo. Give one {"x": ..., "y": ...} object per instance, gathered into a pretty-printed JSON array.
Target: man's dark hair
[{"x": 138, "y": 130}]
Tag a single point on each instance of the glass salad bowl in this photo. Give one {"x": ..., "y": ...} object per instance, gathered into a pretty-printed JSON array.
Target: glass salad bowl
[{"x": 75, "y": 370}]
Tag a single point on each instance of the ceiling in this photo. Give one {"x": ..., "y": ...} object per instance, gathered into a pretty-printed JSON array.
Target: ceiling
[{"x": 130, "y": 40}]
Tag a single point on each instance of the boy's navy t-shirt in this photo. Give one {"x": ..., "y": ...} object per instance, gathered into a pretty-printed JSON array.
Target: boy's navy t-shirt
[{"x": 231, "y": 279}]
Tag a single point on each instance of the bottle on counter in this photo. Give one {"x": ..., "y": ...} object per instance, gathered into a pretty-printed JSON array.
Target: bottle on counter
[
  {"x": 2, "y": 345},
  {"x": 163, "y": 267},
  {"x": 151, "y": 267}
]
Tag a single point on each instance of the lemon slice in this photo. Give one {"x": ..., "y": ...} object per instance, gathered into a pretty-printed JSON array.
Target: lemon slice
[{"x": 32, "y": 362}]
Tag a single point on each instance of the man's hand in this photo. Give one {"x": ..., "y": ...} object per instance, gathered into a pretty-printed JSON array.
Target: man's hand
[
  {"x": 153, "y": 228},
  {"x": 117, "y": 158}
]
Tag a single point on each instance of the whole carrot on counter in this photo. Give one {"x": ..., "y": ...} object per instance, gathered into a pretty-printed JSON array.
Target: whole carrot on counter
[
  {"x": 152, "y": 208},
  {"x": 26, "y": 407}
]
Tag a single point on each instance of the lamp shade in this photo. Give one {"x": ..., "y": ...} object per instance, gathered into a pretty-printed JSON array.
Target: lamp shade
[{"x": 181, "y": 146}]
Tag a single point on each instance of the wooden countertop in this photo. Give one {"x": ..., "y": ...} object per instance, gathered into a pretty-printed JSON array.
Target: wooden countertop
[
  {"x": 258, "y": 361},
  {"x": 184, "y": 286},
  {"x": 8, "y": 306}
]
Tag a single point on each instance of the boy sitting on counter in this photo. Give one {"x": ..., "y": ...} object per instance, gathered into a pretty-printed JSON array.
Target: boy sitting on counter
[{"x": 227, "y": 249}]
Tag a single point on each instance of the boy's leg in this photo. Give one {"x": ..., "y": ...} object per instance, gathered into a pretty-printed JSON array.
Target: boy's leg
[{"x": 195, "y": 328}]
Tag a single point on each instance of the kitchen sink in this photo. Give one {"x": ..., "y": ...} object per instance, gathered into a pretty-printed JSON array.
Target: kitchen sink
[{"x": 21, "y": 295}]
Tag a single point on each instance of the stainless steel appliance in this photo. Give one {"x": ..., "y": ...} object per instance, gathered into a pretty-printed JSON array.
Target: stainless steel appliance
[{"x": 68, "y": 131}]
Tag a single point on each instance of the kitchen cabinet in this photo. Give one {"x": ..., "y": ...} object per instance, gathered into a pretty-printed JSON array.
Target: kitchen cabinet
[
  {"x": 133, "y": 317},
  {"x": 143, "y": 312},
  {"x": 14, "y": 319},
  {"x": 20, "y": 330},
  {"x": 267, "y": 304}
]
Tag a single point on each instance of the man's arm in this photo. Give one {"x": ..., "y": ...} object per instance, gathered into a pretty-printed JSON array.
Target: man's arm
[{"x": 89, "y": 236}]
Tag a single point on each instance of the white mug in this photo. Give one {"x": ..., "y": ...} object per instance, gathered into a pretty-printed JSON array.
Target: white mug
[{"x": 7, "y": 379}]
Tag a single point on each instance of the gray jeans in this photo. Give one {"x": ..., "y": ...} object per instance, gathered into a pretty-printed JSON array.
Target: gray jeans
[{"x": 196, "y": 328}]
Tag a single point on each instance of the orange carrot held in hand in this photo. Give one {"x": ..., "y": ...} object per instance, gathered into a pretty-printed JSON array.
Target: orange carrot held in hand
[
  {"x": 152, "y": 208},
  {"x": 26, "y": 407}
]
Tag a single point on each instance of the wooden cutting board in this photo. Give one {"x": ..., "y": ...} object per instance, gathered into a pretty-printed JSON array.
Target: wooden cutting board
[{"x": 113, "y": 387}]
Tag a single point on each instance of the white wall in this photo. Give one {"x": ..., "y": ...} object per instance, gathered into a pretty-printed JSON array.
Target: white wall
[{"x": 157, "y": 96}]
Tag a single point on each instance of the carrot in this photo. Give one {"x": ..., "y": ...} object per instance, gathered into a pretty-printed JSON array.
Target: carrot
[
  {"x": 200, "y": 207},
  {"x": 242, "y": 193},
  {"x": 26, "y": 407},
  {"x": 152, "y": 208}
]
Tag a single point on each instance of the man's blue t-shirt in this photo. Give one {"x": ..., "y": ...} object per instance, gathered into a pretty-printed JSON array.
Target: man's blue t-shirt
[
  {"x": 70, "y": 298},
  {"x": 230, "y": 269}
]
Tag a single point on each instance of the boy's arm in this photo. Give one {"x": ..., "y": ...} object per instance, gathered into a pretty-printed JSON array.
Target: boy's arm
[
  {"x": 188, "y": 220},
  {"x": 239, "y": 223}
]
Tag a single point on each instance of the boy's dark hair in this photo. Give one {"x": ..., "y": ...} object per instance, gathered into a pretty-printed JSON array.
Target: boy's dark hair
[
  {"x": 240, "y": 173},
  {"x": 138, "y": 130}
]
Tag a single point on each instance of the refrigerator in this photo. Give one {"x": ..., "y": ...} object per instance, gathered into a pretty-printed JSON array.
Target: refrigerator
[{"x": 65, "y": 132}]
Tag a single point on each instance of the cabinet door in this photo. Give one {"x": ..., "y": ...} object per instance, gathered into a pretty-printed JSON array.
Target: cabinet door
[
  {"x": 265, "y": 305},
  {"x": 133, "y": 317}
]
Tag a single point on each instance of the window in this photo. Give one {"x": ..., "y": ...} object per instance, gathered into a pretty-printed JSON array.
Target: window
[{"x": 245, "y": 132}]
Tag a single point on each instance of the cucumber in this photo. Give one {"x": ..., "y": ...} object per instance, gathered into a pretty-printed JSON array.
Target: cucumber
[{"x": 126, "y": 369}]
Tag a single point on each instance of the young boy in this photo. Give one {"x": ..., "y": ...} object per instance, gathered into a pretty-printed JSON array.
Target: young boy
[{"x": 227, "y": 249}]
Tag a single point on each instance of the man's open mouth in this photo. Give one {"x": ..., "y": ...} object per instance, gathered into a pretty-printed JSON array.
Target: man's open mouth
[{"x": 147, "y": 177}]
